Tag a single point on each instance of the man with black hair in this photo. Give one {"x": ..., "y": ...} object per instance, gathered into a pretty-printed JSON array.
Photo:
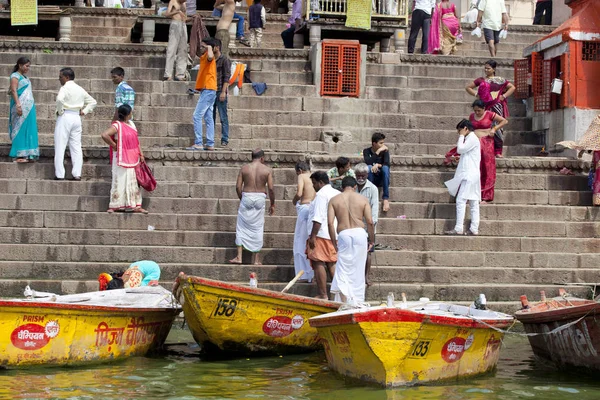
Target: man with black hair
[
  {"x": 124, "y": 94},
  {"x": 466, "y": 184},
  {"x": 377, "y": 157},
  {"x": 341, "y": 170},
  {"x": 72, "y": 102},
  {"x": 319, "y": 249},
  {"x": 305, "y": 194},
  {"x": 250, "y": 188},
  {"x": 206, "y": 84},
  {"x": 223, "y": 75},
  {"x": 350, "y": 209}
]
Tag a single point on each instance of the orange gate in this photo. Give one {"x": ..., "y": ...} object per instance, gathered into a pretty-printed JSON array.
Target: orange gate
[{"x": 340, "y": 68}]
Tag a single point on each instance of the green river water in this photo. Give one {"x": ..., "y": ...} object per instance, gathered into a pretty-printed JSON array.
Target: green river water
[{"x": 182, "y": 374}]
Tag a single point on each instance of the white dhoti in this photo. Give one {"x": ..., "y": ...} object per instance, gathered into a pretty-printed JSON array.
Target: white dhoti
[
  {"x": 349, "y": 278},
  {"x": 251, "y": 221},
  {"x": 301, "y": 262},
  {"x": 68, "y": 132},
  {"x": 124, "y": 191}
]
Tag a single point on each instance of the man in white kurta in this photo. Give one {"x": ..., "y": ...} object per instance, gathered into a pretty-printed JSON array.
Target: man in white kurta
[
  {"x": 71, "y": 103},
  {"x": 466, "y": 184}
]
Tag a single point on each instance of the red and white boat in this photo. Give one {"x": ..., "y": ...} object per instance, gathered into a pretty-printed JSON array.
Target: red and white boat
[{"x": 567, "y": 331}]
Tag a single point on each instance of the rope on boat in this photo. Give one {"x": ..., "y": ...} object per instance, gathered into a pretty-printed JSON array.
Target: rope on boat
[{"x": 508, "y": 331}]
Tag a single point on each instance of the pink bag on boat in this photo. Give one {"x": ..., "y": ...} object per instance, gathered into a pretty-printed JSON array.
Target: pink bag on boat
[{"x": 144, "y": 176}]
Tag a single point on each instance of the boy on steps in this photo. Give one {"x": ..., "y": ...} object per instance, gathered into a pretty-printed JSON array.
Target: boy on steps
[
  {"x": 466, "y": 184},
  {"x": 257, "y": 21}
]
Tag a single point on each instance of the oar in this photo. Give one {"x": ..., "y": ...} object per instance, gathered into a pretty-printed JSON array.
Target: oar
[{"x": 289, "y": 285}]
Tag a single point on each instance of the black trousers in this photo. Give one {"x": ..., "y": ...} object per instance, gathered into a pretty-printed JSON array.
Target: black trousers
[
  {"x": 420, "y": 20},
  {"x": 543, "y": 8}
]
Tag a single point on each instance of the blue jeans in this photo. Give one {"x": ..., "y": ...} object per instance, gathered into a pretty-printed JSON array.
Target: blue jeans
[
  {"x": 222, "y": 107},
  {"x": 204, "y": 109},
  {"x": 240, "y": 23},
  {"x": 381, "y": 179}
]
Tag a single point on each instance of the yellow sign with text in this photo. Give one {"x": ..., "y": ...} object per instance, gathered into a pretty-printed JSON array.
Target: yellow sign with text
[
  {"x": 358, "y": 14},
  {"x": 23, "y": 12}
]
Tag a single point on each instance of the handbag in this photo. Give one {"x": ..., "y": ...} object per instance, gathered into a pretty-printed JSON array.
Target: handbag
[{"x": 144, "y": 176}]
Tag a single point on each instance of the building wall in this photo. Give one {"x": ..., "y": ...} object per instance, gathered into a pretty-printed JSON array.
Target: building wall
[{"x": 560, "y": 12}]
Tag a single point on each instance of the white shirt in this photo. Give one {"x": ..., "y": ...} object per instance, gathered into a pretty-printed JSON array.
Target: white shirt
[
  {"x": 492, "y": 13},
  {"x": 424, "y": 5},
  {"x": 371, "y": 192},
  {"x": 72, "y": 97},
  {"x": 467, "y": 175},
  {"x": 318, "y": 210}
]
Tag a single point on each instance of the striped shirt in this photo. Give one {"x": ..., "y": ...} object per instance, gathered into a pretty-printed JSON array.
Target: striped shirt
[{"x": 124, "y": 94}]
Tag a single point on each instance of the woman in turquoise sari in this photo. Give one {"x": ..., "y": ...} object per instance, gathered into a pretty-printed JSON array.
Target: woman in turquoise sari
[{"x": 22, "y": 123}]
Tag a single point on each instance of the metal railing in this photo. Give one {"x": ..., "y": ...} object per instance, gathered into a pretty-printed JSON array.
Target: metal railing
[{"x": 380, "y": 9}]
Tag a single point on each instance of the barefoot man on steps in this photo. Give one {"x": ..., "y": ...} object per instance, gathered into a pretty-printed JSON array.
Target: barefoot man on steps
[
  {"x": 250, "y": 187},
  {"x": 350, "y": 209}
]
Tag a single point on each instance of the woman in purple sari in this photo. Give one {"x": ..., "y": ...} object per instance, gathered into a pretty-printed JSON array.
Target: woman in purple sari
[
  {"x": 445, "y": 27},
  {"x": 493, "y": 91}
]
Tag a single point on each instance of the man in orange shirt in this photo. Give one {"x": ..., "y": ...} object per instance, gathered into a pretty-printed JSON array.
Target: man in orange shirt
[{"x": 206, "y": 84}]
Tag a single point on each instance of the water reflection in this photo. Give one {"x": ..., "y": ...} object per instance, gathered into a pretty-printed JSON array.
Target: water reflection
[{"x": 183, "y": 376}]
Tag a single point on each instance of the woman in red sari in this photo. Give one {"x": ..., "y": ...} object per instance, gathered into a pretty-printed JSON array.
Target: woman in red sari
[
  {"x": 125, "y": 155},
  {"x": 486, "y": 123},
  {"x": 493, "y": 91}
]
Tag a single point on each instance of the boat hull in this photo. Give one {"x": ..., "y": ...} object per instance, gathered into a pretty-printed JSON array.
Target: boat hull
[
  {"x": 231, "y": 318},
  {"x": 577, "y": 345},
  {"x": 38, "y": 334},
  {"x": 408, "y": 350}
]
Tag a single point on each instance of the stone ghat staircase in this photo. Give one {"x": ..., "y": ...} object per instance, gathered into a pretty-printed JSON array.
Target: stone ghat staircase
[{"x": 56, "y": 236}]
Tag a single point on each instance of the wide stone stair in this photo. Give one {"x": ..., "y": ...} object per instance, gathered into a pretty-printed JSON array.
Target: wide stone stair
[{"x": 540, "y": 230}]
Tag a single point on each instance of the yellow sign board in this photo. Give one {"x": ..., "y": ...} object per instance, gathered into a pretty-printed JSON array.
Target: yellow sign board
[
  {"x": 358, "y": 14},
  {"x": 23, "y": 12}
]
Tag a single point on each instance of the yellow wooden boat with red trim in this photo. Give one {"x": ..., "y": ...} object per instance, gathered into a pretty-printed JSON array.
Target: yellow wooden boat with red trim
[
  {"x": 419, "y": 343},
  {"x": 85, "y": 328},
  {"x": 227, "y": 317}
]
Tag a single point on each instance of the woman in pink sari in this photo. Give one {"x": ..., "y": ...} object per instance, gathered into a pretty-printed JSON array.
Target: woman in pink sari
[
  {"x": 493, "y": 91},
  {"x": 486, "y": 123},
  {"x": 445, "y": 27},
  {"x": 125, "y": 155}
]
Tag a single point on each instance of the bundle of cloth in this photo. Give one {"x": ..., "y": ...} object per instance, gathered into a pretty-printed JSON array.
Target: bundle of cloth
[{"x": 140, "y": 273}]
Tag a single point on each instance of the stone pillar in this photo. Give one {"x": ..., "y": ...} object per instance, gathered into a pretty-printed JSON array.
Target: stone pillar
[
  {"x": 363, "y": 72},
  {"x": 314, "y": 36},
  {"x": 232, "y": 31},
  {"x": 79, "y": 3},
  {"x": 315, "y": 55},
  {"x": 64, "y": 29},
  {"x": 384, "y": 45},
  {"x": 399, "y": 40},
  {"x": 148, "y": 30},
  {"x": 299, "y": 41}
]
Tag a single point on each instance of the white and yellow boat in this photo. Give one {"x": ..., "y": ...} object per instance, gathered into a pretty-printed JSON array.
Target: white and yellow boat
[
  {"x": 227, "y": 317},
  {"x": 412, "y": 343},
  {"x": 85, "y": 328}
]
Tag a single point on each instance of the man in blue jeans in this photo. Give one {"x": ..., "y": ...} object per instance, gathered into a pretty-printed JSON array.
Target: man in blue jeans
[
  {"x": 206, "y": 84},
  {"x": 223, "y": 75},
  {"x": 377, "y": 157},
  {"x": 239, "y": 35}
]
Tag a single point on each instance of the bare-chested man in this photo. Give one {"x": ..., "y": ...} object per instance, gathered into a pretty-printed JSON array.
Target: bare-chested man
[
  {"x": 350, "y": 209},
  {"x": 226, "y": 10},
  {"x": 250, "y": 187},
  {"x": 177, "y": 46},
  {"x": 305, "y": 193}
]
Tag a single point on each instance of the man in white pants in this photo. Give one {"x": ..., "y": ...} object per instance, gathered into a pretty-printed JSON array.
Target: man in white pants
[
  {"x": 71, "y": 103},
  {"x": 466, "y": 184}
]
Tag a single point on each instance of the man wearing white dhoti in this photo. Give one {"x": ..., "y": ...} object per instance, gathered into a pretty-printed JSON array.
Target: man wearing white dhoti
[
  {"x": 350, "y": 209},
  {"x": 71, "y": 103},
  {"x": 466, "y": 184},
  {"x": 305, "y": 193},
  {"x": 250, "y": 187}
]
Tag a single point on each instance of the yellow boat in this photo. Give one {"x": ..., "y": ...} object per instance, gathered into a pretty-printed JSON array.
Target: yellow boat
[
  {"x": 413, "y": 343},
  {"x": 84, "y": 328},
  {"x": 227, "y": 317}
]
